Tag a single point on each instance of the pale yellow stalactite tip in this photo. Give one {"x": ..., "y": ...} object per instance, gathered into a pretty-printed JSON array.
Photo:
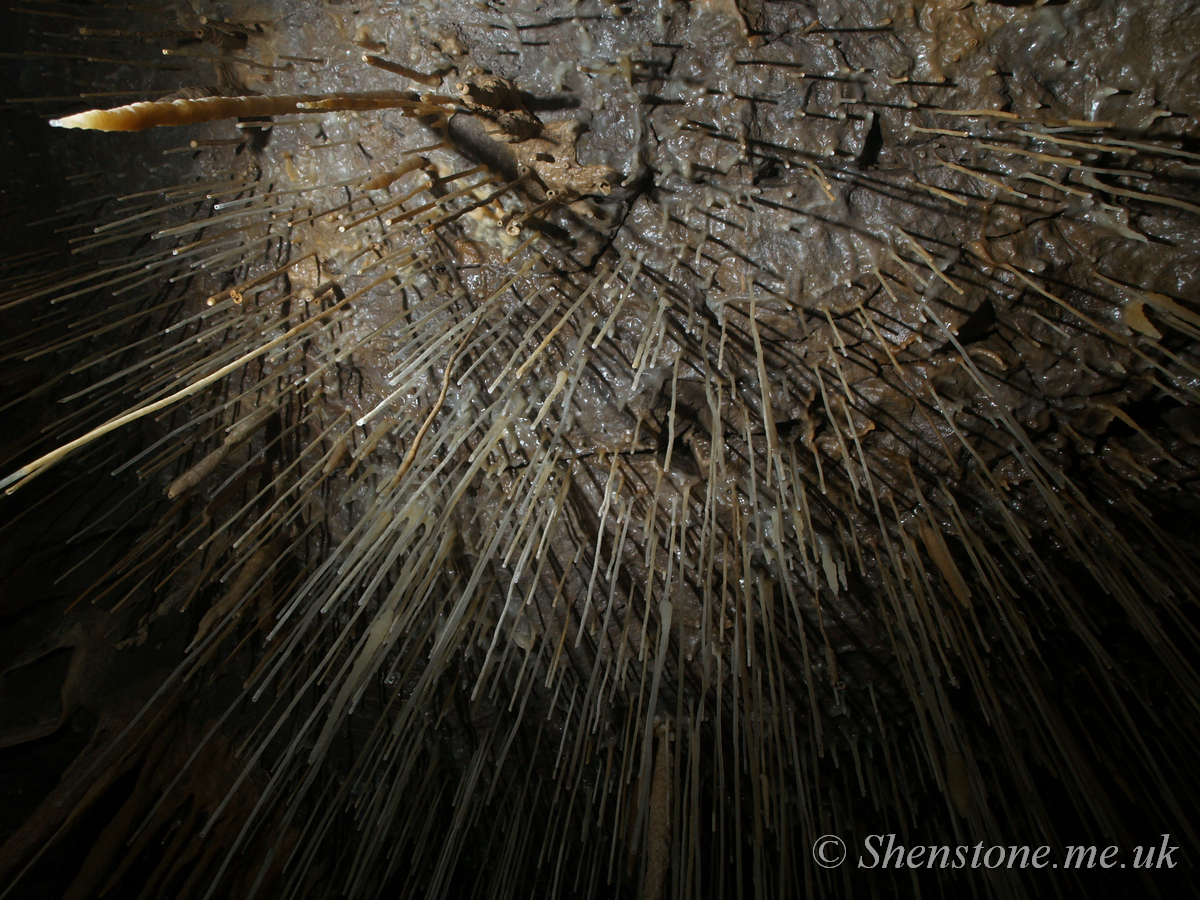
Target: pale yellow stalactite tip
[{"x": 194, "y": 110}]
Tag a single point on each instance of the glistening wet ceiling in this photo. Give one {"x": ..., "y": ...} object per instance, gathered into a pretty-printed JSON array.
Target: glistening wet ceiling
[{"x": 585, "y": 450}]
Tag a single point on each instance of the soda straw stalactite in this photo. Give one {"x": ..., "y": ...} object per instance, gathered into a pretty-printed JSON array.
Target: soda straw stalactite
[{"x": 499, "y": 451}]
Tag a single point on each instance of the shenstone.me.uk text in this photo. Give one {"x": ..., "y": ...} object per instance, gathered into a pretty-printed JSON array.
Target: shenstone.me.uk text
[{"x": 885, "y": 851}]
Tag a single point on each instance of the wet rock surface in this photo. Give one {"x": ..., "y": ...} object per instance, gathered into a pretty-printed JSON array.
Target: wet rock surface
[{"x": 790, "y": 394}]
